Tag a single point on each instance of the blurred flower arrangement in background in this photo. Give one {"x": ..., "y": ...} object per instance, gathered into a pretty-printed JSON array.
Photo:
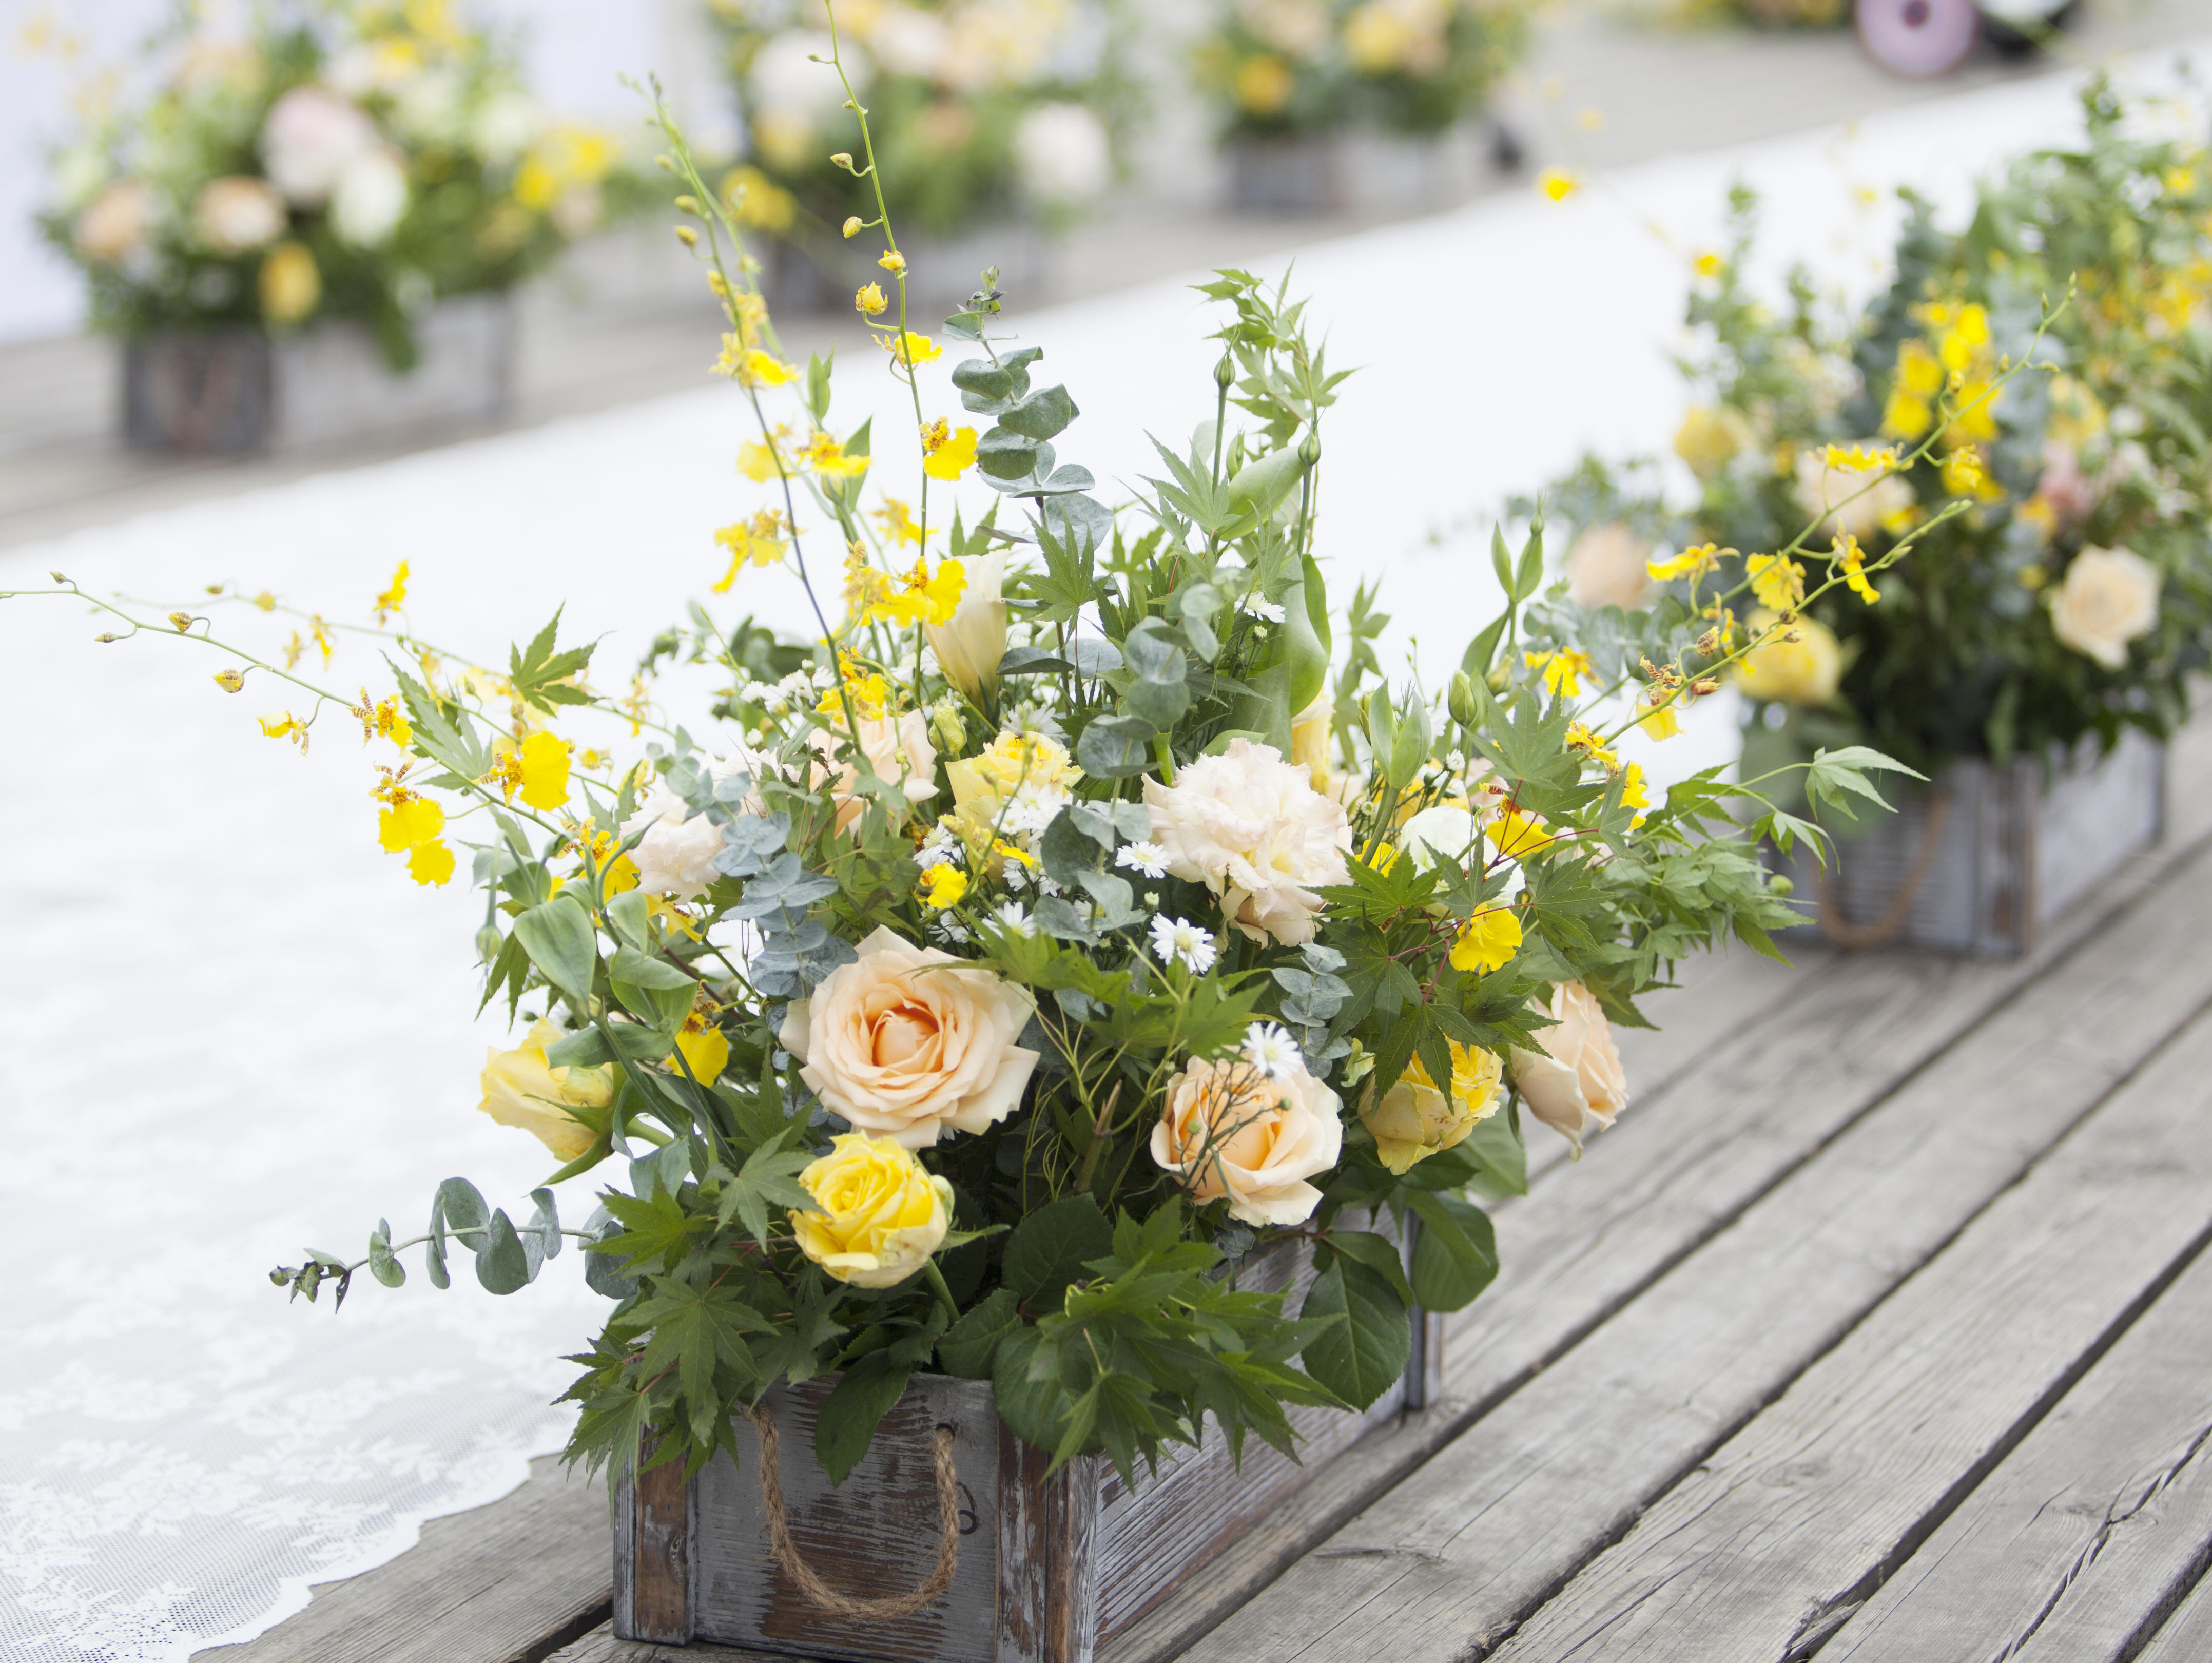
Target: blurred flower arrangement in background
[
  {"x": 983, "y": 111},
  {"x": 1314, "y": 66},
  {"x": 2065, "y": 586},
  {"x": 358, "y": 159}
]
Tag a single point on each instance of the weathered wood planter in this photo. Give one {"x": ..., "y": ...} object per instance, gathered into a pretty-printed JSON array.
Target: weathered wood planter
[
  {"x": 1984, "y": 856},
  {"x": 1048, "y": 1569},
  {"x": 225, "y": 390},
  {"x": 1353, "y": 172}
]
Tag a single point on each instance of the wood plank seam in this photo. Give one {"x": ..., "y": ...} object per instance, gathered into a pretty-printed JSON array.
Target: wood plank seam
[
  {"x": 1820, "y": 1624},
  {"x": 1452, "y": 1415}
]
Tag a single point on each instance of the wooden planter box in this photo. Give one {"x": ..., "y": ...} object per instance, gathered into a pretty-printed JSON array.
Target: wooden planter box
[
  {"x": 1999, "y": 851},
  {"x": 1048, "y": 1569},
  {"x": 1353, "y": 172},
  {"x": 226, "y": 391},
  {"x": 942, "y": 272}
]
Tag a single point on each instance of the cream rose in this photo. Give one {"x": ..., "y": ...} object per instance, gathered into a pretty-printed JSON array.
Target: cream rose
[
  {"x": 309, "y": 138},
  {"x": 675, "y": 856},
  {"x": 117, "y": 224},
  {"x": 2107, "y": 598},
  {"x": 1227, "y": 1129},
  {"x": 1806, "y": 671},
  {"x": 1834, "y": 491},
  {"x": 564, "y": 1108},
  {"x": 237, "y": 215},
  {"x": 1250, "y": 826},
  {"x": 1414, "y": 1119},
  {"x": 907, "y": 1041},
  {"x": 1577, "y": 1081},
  {"x": 882, "y": 1216},
  {"x": 1607, "y": 566},
  {"x": 897, "y": 748}
]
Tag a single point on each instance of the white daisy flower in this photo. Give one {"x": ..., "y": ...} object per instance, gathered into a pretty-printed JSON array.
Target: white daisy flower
[
  {"x": 1178, "y": 941},
  {"x": 1013, "y": 917},
  {"x": 1148, "y": 858},
  {"x": 1259, "y": 608},
  {"x": 1272, "y": 1050}
]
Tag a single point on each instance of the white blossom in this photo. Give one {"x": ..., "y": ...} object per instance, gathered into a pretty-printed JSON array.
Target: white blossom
[
  {"x": 1272, "y": 1050},
  {"x": 1178, "y": 941},
  {"x": 1149, "y": 858}
]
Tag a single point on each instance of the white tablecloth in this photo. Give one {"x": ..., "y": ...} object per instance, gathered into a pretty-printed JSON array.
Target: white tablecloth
[{"x": 236, "y": 1027}]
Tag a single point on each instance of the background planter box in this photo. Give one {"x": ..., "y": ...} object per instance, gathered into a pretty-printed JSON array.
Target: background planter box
[
  {"x": 1048, "y": 1569},
  {"x": 1999, "y": 851},
  {"x": 233, "y": 390},
  {"x": 1355, "y": 171},
  {"x": 942, "y": 272}
]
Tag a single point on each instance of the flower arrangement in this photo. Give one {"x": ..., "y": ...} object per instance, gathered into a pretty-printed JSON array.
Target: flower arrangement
[
  {"x": 2065, "y": 588},
  {"x": 1309, "y": 66},
  {"x": 357, "y": 160},
  {"x": 981, "y": 109},
  {"x": 1075, "y": 909}
]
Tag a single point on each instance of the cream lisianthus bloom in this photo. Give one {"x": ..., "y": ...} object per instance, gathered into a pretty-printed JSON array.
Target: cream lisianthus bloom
[
  {"x": 117, "y": 222},
  {"x": 1575, "y": 1081},
  {"x": 969, "y": 644},
  {"x": 1229, "y": 1129},
  {"x": 882, "y": 1216},
  {"x": 1414, "y": 1119},
  {"x": 1607, "y": 566},
  {"x": 564, "y": 1108},
  {"x": 1835, "y": 492},
  {"x": 1250, "y": 826},
  {"x": 1805, "y": 671},
  {"x": 911, "y": 1043},
  {"x": 2107, "y": 598},
  {"x": 237, "y": 215},
  {"x": 309, "y": 139}
]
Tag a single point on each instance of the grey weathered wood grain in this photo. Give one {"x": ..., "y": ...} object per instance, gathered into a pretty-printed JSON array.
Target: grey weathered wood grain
[
  {"x": 1777, "y": 1537},
  {"x": 1464, "y": 1547},
  {"x": 1581, "y": 1249},
  {"x": 2088, "y": 1533},
  {"x": 600, "y": 1646},
  {"x": 2186, "y": 1637},
  {"x": 496, "y": 1584}
]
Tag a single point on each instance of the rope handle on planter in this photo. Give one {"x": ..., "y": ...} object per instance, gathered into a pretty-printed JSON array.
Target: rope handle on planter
[
  {"x": 892, "y": 1608},
  {"x": 1842, "y": 931}
]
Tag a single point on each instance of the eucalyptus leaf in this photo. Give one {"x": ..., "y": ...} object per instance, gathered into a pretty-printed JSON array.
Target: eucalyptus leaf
[{"x": 502, "y": 1266}]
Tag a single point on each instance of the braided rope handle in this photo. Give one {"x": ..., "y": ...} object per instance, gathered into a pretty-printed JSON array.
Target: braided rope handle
[
  {"x": 889, "y": 1609},
  {"x": 1842, "y": 931}
]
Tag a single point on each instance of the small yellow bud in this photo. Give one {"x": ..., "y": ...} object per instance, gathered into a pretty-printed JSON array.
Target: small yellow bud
[
  {"x": 841, "y": 159},
  {"x": 870, "y": 299},
  {"x": 214, "y": 588},
  {"x": 687, "y": 237},
  {"x": 719, "y": 283},
  {"x": 687, "y": 203},
  {"x": 104, "y": 639},
  {"x": 665, "y": 163},
  {"x": 265, "y": 601},
  {"x": 58, "y": 577},
  {"x": 852, "y": 226},
  {"x": 183, "y": 621},
  {"x": 893, "y": 261},
  {"x": 229, "y": 680}
]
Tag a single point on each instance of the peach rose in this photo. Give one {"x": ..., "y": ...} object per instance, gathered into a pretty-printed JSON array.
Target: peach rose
[
  {"x": 2107, "y": 597},
  {"x": 1227, "y": 1129},
  {"x": 1415, "y": 1120},
  {"x": 1605, "y": 567},
  {"x": 897, "y": 748},
  {"x": 907, "y": 1041},
  {"x": 1577, "y": 1081}
]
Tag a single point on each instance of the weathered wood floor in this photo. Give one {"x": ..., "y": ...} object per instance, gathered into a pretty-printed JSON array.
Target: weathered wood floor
[{"x": 1878, "y": 1328}]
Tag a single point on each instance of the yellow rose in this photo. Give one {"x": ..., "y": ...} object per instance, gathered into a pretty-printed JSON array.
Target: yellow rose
[
  {"x": 1309, "y": 735},
  {"x": 1413, "y": 1120},
  {"x": 291, "y": 287},
  {"x": 563, "y": 1108},
  {"x": 882, "y": 1216},
  {"x": 1708, "y": 438},
  {"x": 1801, "y": 671},
  {"x": 1577, "y": 1081},
  {"x": 911, "y": 1043}
]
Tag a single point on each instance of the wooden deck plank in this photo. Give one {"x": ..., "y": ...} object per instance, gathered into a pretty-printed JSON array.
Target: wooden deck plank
[
  {"x": 504, "y": 1583},
  {"x": 2078, "y": 1546},
  {"x": 1521, "y": 1500},
  {"x": 2186, "y": 1637},
  {"x": 1529, "y": 1318},
  {"x": 1777, "y": 1538}
]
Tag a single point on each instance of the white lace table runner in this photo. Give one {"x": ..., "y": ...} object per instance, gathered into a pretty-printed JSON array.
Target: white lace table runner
[{"x": 236, "y": 1028}]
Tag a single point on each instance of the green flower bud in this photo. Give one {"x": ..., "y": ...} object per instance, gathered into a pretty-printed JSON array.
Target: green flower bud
[{"x": 1461, "y": 699}]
